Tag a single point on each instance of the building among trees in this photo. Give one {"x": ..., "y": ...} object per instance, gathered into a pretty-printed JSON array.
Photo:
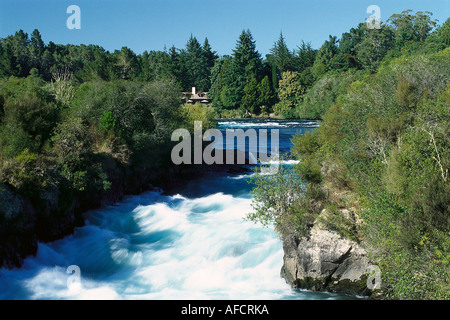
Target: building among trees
[{"x": 194, "y": 97}]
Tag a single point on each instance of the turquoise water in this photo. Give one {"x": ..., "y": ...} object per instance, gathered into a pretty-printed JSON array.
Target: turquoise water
[{"x": 194, "y": 244}]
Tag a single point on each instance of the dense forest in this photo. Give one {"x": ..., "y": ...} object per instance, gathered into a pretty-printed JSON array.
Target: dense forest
[
  {"x": 80, "y": 127},
  {"x": 382, "y": 95}
]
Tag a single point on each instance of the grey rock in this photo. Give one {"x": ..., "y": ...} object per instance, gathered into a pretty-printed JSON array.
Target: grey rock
[
  {"x": 17, "y": 221},
  {"x": 325, "y": 261}
]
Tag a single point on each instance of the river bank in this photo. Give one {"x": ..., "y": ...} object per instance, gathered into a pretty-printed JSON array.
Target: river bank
[
  {"x": 28, "y": 221},
  {"x": 182, "y": 235}
]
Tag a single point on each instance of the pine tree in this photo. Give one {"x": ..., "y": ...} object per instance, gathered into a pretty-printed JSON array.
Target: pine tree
[
  {"x": 216, "y": 82},
  {"x": 282, "y": 55},
  {"x": 251, "y": 97},
  {"x": 265, "y": 92},
  {"x": 247, "y": 58},
  {"x": 36, "y": 49},
  {"x": 127, "y": 65},
  {"x": 244, "y": 65},
  {"x": 195, "y": 64},
  {"x": 37, "y": 46},
  {"x": 178, "y": 67},
  {"x": 304, "y": 57},
  {"x": 209, "y": 54},
  {"x": 210, "y": 57},
  {"x": 15, "y": 54}
]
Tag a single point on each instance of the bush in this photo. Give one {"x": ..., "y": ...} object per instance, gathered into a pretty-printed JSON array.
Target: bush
[
  {"x": 76, "y": 162},
  {"x": 199, "y": 112},
  {"x": 141, "y": 115},
  {"x": 283, "y": 200},
  {"x": 323, "y": 94},
  {"x": 25, "y": 173},
  {"x": 29, "y": 116}
]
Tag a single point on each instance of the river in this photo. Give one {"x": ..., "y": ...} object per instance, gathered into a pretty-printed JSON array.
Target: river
[{"x": 194, "y": 244}]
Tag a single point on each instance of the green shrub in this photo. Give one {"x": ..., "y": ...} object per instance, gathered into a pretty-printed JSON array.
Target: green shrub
[
  {"x": 25, "y": 173},
  {"x": 282, "y": 199},
  {"x": 29, "y": 116},
  {"x": 199, "y": 112},
  {"x": 141, "y": 115}
]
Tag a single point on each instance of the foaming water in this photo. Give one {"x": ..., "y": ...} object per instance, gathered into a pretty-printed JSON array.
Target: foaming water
[
  {"x": 192, "y": 245},
  {"x": 264, "y": 123},
  {"x": 154, "y": 246}
]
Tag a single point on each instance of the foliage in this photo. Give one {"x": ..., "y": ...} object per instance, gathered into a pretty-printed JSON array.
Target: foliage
[
  {"x": 388, "y": 136},
  {"x": 250, "y": 99},
  {"x": 29, "y": 115},
  {"x": 266, "y": 94},
  {"x": 282, "y": 56},
  {"x": 322, "y": 63},
  {"x": 73, "y": 148},
  {"x": 283, "y": 200},
  {"x": 382, "y": 150},
  {"x": 290, "y": 94},
  {"x": 198, "y": 112},
  {"x": 24, "y": 173},
  {"x": 236, "y": 73}
]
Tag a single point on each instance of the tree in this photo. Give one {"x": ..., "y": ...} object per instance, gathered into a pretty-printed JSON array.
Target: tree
[
  {"x": 251, "y": 97},
  {"x": 324, "y": 55},
  {"x": 423, "y": 24},
  {"x": 443, "y": 33},
  {"x": 304, "y": 57},
  {"x": 156, "y": 65},
  {"x": 210, "y": 57},
  {"x": 281, "y": 199},
  {"x": 36, "y": 49},
  {"x": 247, "y": 59},
  {"x": 374, "y": 46},
  {"x": 225, "y": 88},
  {"x": 176, "y": 64},
  {"x": 290, "y": 89},
  {"x": 195, "y": 63},
  {"x": 282, "y": 56},
  {"x": 265, "y": 91},
  {"x": 29, "y": 115},
  {"x": 346, "y": 55},
  {"x": 15, "y": 60},
  {"x": 216, "y": 82},
  {"x": 244, "y": 65},
  {"x": 127, "y": 64},
  {"x": 290, "y": 94},
  {"x": 408, "y": 27}
]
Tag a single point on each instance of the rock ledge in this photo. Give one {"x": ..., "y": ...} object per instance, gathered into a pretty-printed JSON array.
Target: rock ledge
[{"x": 325, "y": 261}]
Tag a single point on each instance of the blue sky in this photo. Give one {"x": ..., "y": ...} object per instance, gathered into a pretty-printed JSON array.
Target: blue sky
[{"x": 152, "y": 24}]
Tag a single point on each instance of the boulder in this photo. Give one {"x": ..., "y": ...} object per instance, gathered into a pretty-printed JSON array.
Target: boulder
[{"x": 326, "y": 261}]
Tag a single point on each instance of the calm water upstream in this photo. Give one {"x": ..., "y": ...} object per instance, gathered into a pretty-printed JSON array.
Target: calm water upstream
[{"x": 192, "y": 245}]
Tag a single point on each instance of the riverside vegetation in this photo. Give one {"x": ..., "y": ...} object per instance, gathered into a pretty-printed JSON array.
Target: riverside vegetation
[
  {"x": 382, "y": 153},
  {"x": 80, "y": 124}
]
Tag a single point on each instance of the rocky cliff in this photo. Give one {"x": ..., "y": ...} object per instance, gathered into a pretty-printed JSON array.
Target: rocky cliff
[
  {"x": 52, "y": 214},
  {"x": 326, "y": 261}
]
